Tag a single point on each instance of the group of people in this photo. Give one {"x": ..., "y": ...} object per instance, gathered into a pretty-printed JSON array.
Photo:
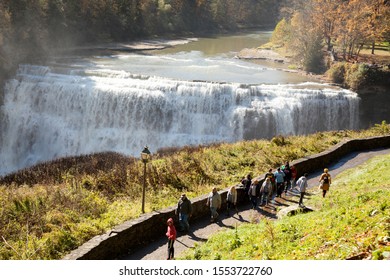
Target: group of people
[
  {"x": 184, "y": 212},
  {"x": 274, "y": 184}
]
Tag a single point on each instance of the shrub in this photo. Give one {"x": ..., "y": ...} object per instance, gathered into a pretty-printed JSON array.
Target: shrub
[
  {"x": 336, "y": 73},
  {"x": 355, "y": 75},
  {"x": 279, "y": 141}
]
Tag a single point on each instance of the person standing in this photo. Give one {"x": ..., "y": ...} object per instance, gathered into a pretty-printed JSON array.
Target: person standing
[
  {"x": 265, "y": 191},
  {"x": 231, "y": 200},
  {"x": 302, "y": 186},
  {"x": 293, "y": 176},
  {"x": 184, "y": 211},
  {"x": 271, "y": 175},
  {"x": 214, "y": 202},
  {"x": 287, "y": 176},
  {"x": 279, "y": 179},
  {"x": 171, "y": 234},
  {"x": 325, "y": 181},
  {"x": 254, "y": 192},
  {"x": 246, "y": 182}
]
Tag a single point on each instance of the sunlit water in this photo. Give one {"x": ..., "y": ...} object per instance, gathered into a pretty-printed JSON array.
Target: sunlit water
[{"x": 178, "y": 96}]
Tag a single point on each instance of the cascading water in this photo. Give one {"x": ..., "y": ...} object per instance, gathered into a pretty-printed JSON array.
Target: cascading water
[{"x": 49, "y": 113}]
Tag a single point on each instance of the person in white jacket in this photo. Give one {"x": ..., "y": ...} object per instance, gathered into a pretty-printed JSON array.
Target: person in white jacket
[
  {"x": 231, "y": 200},
  {"x": 302, "y": 185}
]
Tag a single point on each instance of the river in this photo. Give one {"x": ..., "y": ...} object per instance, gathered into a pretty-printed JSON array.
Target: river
[{"x": 194, "y": 92}]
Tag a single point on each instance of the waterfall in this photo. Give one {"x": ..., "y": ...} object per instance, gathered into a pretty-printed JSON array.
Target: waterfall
[{"x": 49, "y": 113}]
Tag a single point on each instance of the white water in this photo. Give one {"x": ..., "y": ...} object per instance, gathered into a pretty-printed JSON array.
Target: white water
[{"x": 49, "y": 114}]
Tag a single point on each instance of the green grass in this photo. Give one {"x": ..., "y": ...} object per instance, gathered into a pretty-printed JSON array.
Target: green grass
[
  {"x": 50, "y": 209},
  {"x": 353, "y": 220}
]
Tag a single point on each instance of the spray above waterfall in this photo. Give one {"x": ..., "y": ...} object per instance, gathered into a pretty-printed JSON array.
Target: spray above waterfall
[{"x": 50, "y": 114}]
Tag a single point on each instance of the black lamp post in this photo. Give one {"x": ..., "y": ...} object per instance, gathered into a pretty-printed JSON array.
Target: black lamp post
[{"x": 145, "y": 156}]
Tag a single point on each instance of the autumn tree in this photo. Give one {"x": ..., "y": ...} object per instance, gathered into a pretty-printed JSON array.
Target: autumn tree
[
  {"x": 349, "y": 25},
  {"x": 282, "y": 33},
  {"x": 306, "y": 41},
  {"x": 378, "y": 23},
  {"x": 325, "y": 14}
]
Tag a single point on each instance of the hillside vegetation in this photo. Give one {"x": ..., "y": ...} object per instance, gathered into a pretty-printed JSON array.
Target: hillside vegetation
[
  {"x": 352, "y": 222},
  {"x": 54, "y": 207}
]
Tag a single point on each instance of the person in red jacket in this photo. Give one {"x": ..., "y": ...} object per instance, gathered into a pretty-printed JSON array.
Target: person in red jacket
[{"x": 171, "y": 234}]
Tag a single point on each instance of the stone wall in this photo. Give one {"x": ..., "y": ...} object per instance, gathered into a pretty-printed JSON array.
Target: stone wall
[{"x": 133, "y": 234}]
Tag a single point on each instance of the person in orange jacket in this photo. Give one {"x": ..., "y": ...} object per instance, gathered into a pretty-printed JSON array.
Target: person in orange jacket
[
  {"x": 325, "y": 181},
  {"x": 171, "y": 234}
]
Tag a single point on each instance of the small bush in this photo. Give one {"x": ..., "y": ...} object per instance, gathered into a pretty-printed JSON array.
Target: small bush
[
  {"x": 357, "y": 76},
  {"x": 279, "y": 141},
  {"x": 336, "y": 73}
]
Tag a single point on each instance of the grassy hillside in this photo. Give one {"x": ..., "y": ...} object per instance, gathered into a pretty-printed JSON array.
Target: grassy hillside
[
  {"x": 54, "y": 207},
  {"x": 353, "y": 221}
]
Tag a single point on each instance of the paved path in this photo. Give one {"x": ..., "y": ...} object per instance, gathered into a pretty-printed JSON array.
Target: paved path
[{"x": 202, "y": 228}]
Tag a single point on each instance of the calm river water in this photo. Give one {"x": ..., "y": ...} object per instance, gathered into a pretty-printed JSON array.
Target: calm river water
[{"x": 206, "y": 59}]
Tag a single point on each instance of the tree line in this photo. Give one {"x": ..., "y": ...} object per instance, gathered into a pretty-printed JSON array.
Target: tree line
[
  {"x": 342, "y": 25},
  {"x": 34, "y": 28}
]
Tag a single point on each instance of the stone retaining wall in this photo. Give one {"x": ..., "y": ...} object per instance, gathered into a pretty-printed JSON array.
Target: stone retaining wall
[{"x": 133, "y": 234}]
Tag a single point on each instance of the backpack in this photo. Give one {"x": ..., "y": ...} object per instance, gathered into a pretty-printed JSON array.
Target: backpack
[
  {"x": 254, "y": 190},
  {"x": 326, "y": 179}
]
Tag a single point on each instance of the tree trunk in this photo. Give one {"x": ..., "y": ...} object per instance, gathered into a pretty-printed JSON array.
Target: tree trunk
[
  {"x": 328, "y": 43},
  {"x": 359, "y": 49},
  {"x": 373, "y": 47}
]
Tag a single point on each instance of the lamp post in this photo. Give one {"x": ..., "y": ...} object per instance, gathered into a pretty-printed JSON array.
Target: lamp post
[{"x": 145, "y": 156}]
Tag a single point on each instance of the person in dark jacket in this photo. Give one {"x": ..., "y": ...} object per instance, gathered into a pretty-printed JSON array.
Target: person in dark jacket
[
  {"x": 287, "y": 176},
  {"x": 246, "y": 182},
  {"x": 184, "y": 211}
]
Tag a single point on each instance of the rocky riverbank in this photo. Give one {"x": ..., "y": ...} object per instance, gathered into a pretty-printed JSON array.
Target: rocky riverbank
[
  {"x": 262, "y": 54},
  {"x": 270, "y": 55}
]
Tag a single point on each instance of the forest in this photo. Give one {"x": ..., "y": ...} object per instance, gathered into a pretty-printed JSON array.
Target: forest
[{"x": 341, "y": 27}]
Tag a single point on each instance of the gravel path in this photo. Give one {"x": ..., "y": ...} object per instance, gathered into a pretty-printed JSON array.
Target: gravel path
[{"x": 201, "y": 229}]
